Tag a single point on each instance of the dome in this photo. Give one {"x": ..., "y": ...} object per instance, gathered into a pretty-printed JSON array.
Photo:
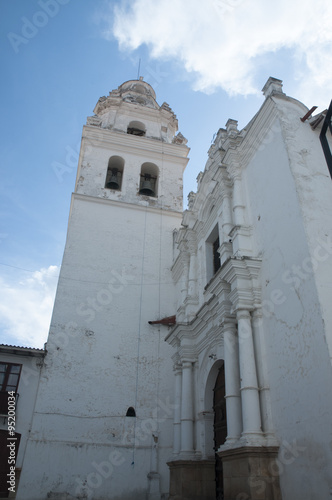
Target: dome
[
  {"x": 137, "y": 86},
  {"x": 138, "y": 92}
]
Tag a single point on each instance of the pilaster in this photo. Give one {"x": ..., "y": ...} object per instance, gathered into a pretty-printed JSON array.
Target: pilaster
[
  {"x": 252, "y": 431},
  {"x": 177, "y": 409},
  {"x": 187, "y": 410},
  {"x": 262, "y": 375}
]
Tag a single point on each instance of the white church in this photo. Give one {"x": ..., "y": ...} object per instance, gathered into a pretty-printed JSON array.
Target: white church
[{"x": 189, "y": 353}]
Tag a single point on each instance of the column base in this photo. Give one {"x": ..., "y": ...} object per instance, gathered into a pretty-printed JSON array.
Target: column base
[
  {"x": 251, "y": 472},
  {"x": 154, "y": 486},
  {"x": 192, "y": 480}
]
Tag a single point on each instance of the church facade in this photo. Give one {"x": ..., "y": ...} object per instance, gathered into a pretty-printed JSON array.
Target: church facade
[{"x": 189, "y": 354}]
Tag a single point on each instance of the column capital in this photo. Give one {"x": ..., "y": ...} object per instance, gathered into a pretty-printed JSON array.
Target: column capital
[
  {"x": 187, "y": 363},
  {"x": 229, "y": 324},
  {"x": 257, "y": 313},
  {"x": 243, "y": 313}
]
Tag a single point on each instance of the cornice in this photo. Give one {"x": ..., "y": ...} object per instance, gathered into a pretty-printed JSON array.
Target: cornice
[
  {"x": 126, "y": 205},
  {"x": 152, "y": 113},
  {"x": 121, "y": 141},
  {"x": 242, "y": 274},
  {"x": 257, "y": 130},
  {"x": 208, "y": 317}
]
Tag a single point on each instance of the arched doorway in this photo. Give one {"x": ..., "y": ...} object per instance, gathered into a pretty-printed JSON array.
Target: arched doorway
[{"x": 220, "y": 427}]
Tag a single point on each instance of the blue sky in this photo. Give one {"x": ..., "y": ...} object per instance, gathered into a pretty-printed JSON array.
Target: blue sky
[{"x": 208, "y": 60}]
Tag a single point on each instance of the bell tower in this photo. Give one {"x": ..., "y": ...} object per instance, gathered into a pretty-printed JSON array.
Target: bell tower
[
  {"x": 128, "y": 150},
  {"x": 102, "y": 426}
]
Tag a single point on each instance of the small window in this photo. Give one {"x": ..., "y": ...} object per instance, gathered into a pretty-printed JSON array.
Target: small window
[
  {"x": 114, "y": 173},
  {"x": 131, "y": 412},
  {"x": 148, "y": 179},
  {"x": 136, "y": 128}
]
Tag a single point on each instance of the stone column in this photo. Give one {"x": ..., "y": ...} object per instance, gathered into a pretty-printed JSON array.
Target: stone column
[
  {"x": 184, "y": 289},
  {"x": 262, "y": 375},
  {"x": 225, "y": 226},
  {"x": 177, "y": 409},
  {"x": 226, "y": 222},
  {"x": 232, "y": 380},
  {"x": 192, "y": 279},
  {"x": 238, "y": 205},
  {"x": 251, "y": 417},
  {"x": 187, "y": 410}
]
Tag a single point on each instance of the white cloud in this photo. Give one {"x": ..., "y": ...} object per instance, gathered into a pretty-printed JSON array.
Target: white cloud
[
  {"x": 26, "y": 308},
  {"x": 221, "y": 42}
]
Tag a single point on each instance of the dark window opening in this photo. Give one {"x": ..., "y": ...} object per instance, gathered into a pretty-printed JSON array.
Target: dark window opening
[
  {"x": 131, "y": 412},
  {"x": 216, "y": 255}
]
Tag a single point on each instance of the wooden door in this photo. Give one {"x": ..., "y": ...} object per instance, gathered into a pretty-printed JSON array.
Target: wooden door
[{"x": 220, "y": 427}]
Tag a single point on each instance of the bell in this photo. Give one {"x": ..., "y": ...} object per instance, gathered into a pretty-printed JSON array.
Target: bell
[
  {"x": 147, "y": 186},
  {"x": 113, "y": 183}
]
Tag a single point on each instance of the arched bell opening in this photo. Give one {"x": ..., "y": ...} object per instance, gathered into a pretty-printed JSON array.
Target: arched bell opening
[
  {"x": 114, "y": 173},
  {"x": 136, "y": 128},
  {"x": 149, "y": 179}
]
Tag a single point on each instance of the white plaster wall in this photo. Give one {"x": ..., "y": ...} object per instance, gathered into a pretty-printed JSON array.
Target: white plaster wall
[
  {"x": 298, "y": 359},
  {"x": 27, "y": 390},
  {"x": 314, "y": 193},
  {"x": 103, "y": 356}
]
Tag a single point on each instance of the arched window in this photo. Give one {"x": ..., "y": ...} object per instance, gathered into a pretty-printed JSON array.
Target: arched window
[
  {"x": 131, "y": 412},
  {"x": 136, "y": 128},
  {"x": 149, "y": 179},
  {"x": 114, "y": 173}
]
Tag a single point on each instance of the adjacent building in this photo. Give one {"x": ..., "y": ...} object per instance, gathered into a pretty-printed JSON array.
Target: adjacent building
[{"x": 19, "y": 377}]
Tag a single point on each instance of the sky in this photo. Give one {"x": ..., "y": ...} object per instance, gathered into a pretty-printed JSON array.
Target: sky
[{"x": 207, "y": 59}]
